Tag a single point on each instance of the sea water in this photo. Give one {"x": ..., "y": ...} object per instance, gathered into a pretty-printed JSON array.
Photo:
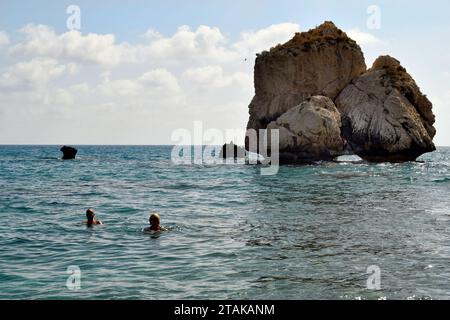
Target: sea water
[{"x": 308, "y": 232}]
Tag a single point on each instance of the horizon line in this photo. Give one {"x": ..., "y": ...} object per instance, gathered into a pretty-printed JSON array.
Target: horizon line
[{"x": 119, "y": 145}]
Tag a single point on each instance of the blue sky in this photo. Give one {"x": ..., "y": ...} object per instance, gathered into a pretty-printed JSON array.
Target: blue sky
[
  {"x": 127, "y": 18},
  {"x": 415, "y": 32}
]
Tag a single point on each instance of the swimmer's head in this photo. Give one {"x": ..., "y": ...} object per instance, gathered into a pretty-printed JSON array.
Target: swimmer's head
[
  {"x": 90, "y": 214},
  {"x": 155, "y": 219}
]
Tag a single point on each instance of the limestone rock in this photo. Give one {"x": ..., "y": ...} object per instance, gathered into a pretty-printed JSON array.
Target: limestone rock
[
  {"x": 310, "y": 131},
  {"x": 322, "y": 61},
  {"x": 385, "y": 117},
  {"x": 383, "y": 114}
]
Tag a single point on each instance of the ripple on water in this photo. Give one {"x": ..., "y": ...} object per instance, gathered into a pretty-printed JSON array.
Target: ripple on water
[{"x": 308, "y": 232}]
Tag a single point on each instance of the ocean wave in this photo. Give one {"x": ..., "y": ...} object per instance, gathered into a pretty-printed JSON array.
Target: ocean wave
[{"x": 442, "y": 180}]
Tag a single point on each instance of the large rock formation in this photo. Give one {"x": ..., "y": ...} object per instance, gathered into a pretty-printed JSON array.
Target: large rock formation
[
  {"x": 310, "y": 131},
  {"x": 322, "y": 61},
  {"x": 384, "y": 116}
]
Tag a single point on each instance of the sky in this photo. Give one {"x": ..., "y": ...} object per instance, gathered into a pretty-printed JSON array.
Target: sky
[{"x": 136, "y": 72}]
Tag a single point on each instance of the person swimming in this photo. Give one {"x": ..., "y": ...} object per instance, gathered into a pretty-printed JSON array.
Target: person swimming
[
  {"x": 90, "y": 215},
  {"x": 155, "y": 224}
]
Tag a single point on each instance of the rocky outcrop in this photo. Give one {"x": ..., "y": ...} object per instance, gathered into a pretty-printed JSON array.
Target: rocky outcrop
[
  {"x": 322, "y": 61},
  {"x": 230, "y": 150},
  {"x": 385, "y": 116},
  {"x": 69, "y": 153},
  {"x": 310, "y": 131}
]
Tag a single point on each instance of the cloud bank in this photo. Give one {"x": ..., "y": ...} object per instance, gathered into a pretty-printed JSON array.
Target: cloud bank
[{"x": 89, "y": 88}]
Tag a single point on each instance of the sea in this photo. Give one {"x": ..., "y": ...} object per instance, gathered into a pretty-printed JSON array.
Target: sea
[{"x": 341, "y": 230}]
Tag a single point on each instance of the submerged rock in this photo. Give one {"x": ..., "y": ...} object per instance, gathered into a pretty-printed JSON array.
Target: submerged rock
[
  {"x": 310, "y": 131},
  {"x": 68, "y": 153},
  {"x": 385, "y": 116}
]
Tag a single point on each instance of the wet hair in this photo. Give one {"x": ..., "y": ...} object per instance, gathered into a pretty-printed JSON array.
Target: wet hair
[
  {"x": 90, "y": 214},
  {"x": 155, "y": 216}
]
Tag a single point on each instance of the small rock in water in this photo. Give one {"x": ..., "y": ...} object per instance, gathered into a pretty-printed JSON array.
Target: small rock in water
[
  {"x": 232, "y": 151},
  {"x": 68, "y": 153}
]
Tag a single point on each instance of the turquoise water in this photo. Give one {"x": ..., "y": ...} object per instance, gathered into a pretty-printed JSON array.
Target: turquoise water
[{"x": 309, "y": 232}]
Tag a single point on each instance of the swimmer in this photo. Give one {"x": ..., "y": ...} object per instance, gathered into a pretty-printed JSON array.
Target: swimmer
[
  {"x": 155, "y": 224},
  {"x": 90, "y": 215}
]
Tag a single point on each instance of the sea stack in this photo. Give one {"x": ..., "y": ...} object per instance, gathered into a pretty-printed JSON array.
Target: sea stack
[
  {"x": 69, "y": 153},
  {"x": 317, "y": 90},
  {"x": 322, "y": 61}
]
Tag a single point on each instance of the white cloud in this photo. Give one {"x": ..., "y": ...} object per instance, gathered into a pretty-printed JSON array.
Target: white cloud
[
  {"x": 364, "y": 38},
  {"x": 41, "y": 40},
  {"x": 37, "y": 72},
  {"x": 154, "y": 82},
  {"x": 203, "y": 43},
  {"x": 159, "y": 79},
  {"x": 4, "y": 38},
  {"x": 152, "y": 34},
  {"x": 84, "y": 86},
  {"x": 252, "y": 42},
  {"x": 63, "y": 97},
  {"x": 213, "y": 77},
  {"x": 80, "y": 88}
]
